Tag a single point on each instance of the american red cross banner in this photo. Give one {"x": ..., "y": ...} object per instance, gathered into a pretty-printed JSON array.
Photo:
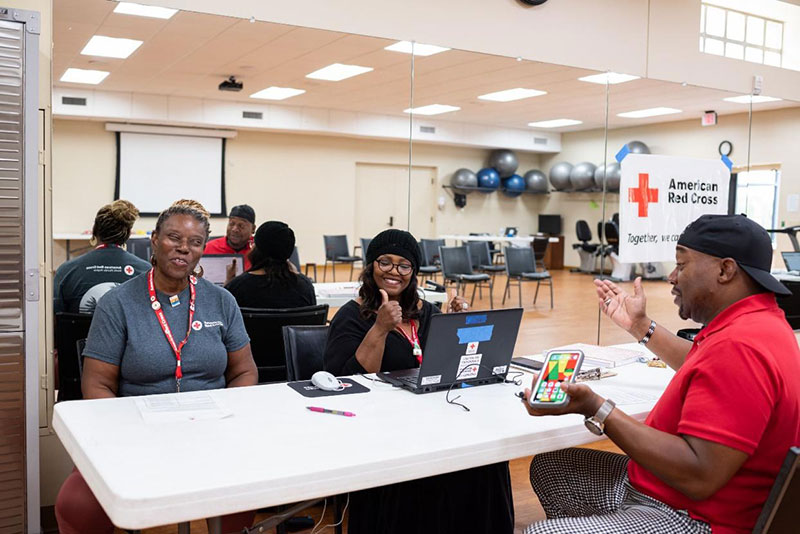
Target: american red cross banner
[{"x": 659, "y": 196}]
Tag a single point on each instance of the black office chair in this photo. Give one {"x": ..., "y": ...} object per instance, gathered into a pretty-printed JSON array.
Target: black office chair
[
  {"x": 587, "y": 251},
  {"x": 481, "y": 257},
  {"x": 264, "y": 326},
  {"x": 305, "y": 349},
  {"x": 364, "y": 246},
  {"x": 426, "y": 269},
  {"x": 139, "y": 247},
  {"x": 539, "y": 246},
  {"x": 336, "y": 251},
  {"x": 779, "y": 514},
  {"x": 69, "y": 329},
  {"x": 688, "y": 333},
  {"x": 521, "y": 267},
  {"x": 457, "y": 269}
]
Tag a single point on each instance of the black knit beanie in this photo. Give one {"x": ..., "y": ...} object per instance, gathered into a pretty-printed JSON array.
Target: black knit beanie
[
  {"x": 396, "y": 242},
  {"x": 274, "y": 239}
]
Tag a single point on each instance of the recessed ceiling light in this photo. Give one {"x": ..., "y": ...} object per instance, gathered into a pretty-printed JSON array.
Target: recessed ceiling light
[
  {"x": 130, "y": 8},
  {"x": 651, "y": 112},
  {"x": 608, "y": 78},
  {"x": 555, "y": 123},
  {"x": 100, "y": 45},
  {"x": 419, "y": 49},
  {"x": 746, "y": 99},
  {"x": 92, "y": 77},
  {"x": 512, "y": 94},
  {"x": 338, "y": 72},
  {"x": 433, "y": 109},
  {"x": 277, "y": 93}
]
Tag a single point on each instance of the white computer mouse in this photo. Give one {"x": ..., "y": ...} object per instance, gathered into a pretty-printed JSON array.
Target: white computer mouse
[{"x": 326, "y": 381}]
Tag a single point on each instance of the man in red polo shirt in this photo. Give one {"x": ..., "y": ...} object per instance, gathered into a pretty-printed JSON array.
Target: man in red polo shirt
[
  {"x": 238, "y": 236},
  {"x": 708, "y": 453}
]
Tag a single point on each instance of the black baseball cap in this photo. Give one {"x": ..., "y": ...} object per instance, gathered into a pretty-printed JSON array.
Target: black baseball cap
[
  {"x": 738, "y": 238},
  {"x": 243, "y": 211}
]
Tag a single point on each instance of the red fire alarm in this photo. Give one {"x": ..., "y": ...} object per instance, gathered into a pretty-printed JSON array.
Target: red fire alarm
[{"x": 709, "y": 118}]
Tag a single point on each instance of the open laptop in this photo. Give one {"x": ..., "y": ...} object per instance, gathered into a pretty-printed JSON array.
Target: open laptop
[
  {"x": 792, "y": 261},
  {"x": 470, "y": 347},
  {"x": 215, "y": 265},
  {"x": 511, "y": 231}
]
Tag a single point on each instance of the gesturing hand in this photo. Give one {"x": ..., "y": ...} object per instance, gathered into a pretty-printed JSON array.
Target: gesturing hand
[
  {"x": 390, "y": 315},
  {"x": 457, "y": 303},
  {"x": 230, "y": 271},
  {"x": 624, "y": 309}
]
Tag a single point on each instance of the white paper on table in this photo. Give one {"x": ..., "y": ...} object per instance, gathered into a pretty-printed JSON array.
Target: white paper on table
[
  {"x": 189, "y": 406},
  {"x": 622, "y": 396}
]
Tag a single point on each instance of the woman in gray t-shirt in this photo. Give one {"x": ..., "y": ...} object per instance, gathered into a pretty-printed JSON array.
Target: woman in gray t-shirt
[{"x": 161, "y": 332}]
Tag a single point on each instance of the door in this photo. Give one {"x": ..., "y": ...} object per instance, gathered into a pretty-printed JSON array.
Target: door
[{"x": 383, "y": 200}]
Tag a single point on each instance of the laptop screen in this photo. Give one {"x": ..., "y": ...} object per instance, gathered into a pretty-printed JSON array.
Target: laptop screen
[
  {"x": 215, "y": 265},
  {"x": 792, "y": 260}
]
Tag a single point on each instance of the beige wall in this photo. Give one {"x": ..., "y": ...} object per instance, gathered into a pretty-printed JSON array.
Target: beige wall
[{"x": 309, "y": 181}]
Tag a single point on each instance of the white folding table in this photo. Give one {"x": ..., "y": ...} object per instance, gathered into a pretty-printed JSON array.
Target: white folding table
[
  {"x": 273, "y": 451},
  {"x": 336, "y": 294}
]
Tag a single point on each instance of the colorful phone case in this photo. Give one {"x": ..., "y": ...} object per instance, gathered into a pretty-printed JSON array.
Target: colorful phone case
[{"x": 559, "y": 366}]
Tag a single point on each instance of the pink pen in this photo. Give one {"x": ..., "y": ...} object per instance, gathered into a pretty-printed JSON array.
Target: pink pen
[{"x": 334, "y": 412}]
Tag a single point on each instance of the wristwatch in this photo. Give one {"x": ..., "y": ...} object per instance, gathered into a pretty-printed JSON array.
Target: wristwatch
[{"x": 596, "y": 423}]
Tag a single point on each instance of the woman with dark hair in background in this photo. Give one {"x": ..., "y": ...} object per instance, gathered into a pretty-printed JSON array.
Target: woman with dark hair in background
[
  {"x": 272, "y": 281},
  {"x": 165, "y": 331},
  {"x": 80, "y": 283},
  {"x": 384, "y": 330}
]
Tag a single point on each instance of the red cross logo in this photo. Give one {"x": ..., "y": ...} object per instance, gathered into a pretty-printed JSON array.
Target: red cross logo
[{"x": 643, "y": 195}]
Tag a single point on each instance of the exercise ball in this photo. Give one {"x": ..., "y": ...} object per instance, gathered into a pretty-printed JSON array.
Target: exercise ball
[
  {"x": 599, "y": 176},
  {"x": 637, "y": 147},
  {"x": 488, "y": 178},
  {"x": 559, "y": 175},
  {"x": 464, "y": 178},
  {"x": 504, "y": 162},
  {"x": 536, "y": 181},
  {"x": 613, "y": 174},
  {"x": 514, "y": 185},
  {"x": 582, "y": 176}
]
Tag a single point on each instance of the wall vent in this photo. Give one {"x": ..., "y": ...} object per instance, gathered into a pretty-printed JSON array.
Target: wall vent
[
  {"x": 73, "y": 101},
  {"x": 539, "y": 140},
  {"x": 252, "y": 115},
  {"x": 427, "y": 129}
]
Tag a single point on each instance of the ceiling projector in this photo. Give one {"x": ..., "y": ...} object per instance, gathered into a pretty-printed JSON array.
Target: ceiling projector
[{"x": 231, "y": 85}]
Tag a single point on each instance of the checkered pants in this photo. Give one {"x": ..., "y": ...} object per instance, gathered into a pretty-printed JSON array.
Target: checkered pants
[{"x": 587, "y": 491}]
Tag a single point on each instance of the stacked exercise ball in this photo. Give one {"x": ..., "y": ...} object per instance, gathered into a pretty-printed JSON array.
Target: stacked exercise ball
[
  {"x": 610, "y": 174},
  {"x": 489, "y": 179},
  {"x": 504, "y": 162},
  {"x": 514, "y": 185},
  {"x": 637, "y": 147},
  {"x": 464, "y": 178}
]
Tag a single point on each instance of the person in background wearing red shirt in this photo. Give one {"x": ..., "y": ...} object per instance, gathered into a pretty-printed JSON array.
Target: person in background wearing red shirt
[
  {"x": 238, "y": 237},
  {"x": 708, "y": 453}
]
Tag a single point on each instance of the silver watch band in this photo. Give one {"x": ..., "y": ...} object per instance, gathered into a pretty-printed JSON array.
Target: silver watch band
[{"x": 604, "y": 410}]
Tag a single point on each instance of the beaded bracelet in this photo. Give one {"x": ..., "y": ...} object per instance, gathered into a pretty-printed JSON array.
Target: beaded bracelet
[{"x": 649, "y": 333}]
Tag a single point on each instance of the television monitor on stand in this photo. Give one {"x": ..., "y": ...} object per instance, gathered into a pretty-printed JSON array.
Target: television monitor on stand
[{"x": 550, "y": 224}]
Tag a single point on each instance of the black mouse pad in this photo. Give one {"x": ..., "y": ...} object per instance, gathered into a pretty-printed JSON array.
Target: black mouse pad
[{"x": 306, "y": 389}]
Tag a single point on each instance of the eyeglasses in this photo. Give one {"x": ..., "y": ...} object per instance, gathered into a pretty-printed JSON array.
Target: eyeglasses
[{"x": 403, "y": 269}]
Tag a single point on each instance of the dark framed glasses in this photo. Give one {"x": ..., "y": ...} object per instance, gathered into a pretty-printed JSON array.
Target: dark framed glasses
[{"x": 403, "y": 269}]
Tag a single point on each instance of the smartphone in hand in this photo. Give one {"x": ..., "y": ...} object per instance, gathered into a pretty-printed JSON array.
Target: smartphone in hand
[{"x": 559, "y": 366}]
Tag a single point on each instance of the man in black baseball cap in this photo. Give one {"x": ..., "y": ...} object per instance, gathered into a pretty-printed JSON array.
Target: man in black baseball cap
[
  {"x": 706, "y": 456},
  {"x": 238, "y": 236}
]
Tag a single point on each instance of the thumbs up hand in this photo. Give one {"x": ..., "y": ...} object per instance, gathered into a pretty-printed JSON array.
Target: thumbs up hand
[
  {"x": 457, "y": 303},
  {"x": 390, "y": 315}
]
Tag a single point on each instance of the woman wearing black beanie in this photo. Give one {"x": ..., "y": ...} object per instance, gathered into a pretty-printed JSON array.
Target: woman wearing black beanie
[
  {"x": 384, "y": 330},
  {"x": 271, "y": 282}
]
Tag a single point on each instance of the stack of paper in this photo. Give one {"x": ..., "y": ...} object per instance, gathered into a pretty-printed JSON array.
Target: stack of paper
[{"x": 597, "y": 356}]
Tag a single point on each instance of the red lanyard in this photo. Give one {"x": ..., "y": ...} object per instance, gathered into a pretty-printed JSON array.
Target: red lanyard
[
  {"x": 162, "y": 320},
  {"x": 105, "y": 245},
  {"x": 414, "y": 340}
]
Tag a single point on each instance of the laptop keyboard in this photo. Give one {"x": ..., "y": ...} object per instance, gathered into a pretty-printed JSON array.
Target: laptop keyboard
[{"x": 411, "y": 378}]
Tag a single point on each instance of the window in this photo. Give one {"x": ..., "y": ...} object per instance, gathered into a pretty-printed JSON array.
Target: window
[
  {"x": 739, "y": 35},
  {"x": 757, "y": 196}
]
